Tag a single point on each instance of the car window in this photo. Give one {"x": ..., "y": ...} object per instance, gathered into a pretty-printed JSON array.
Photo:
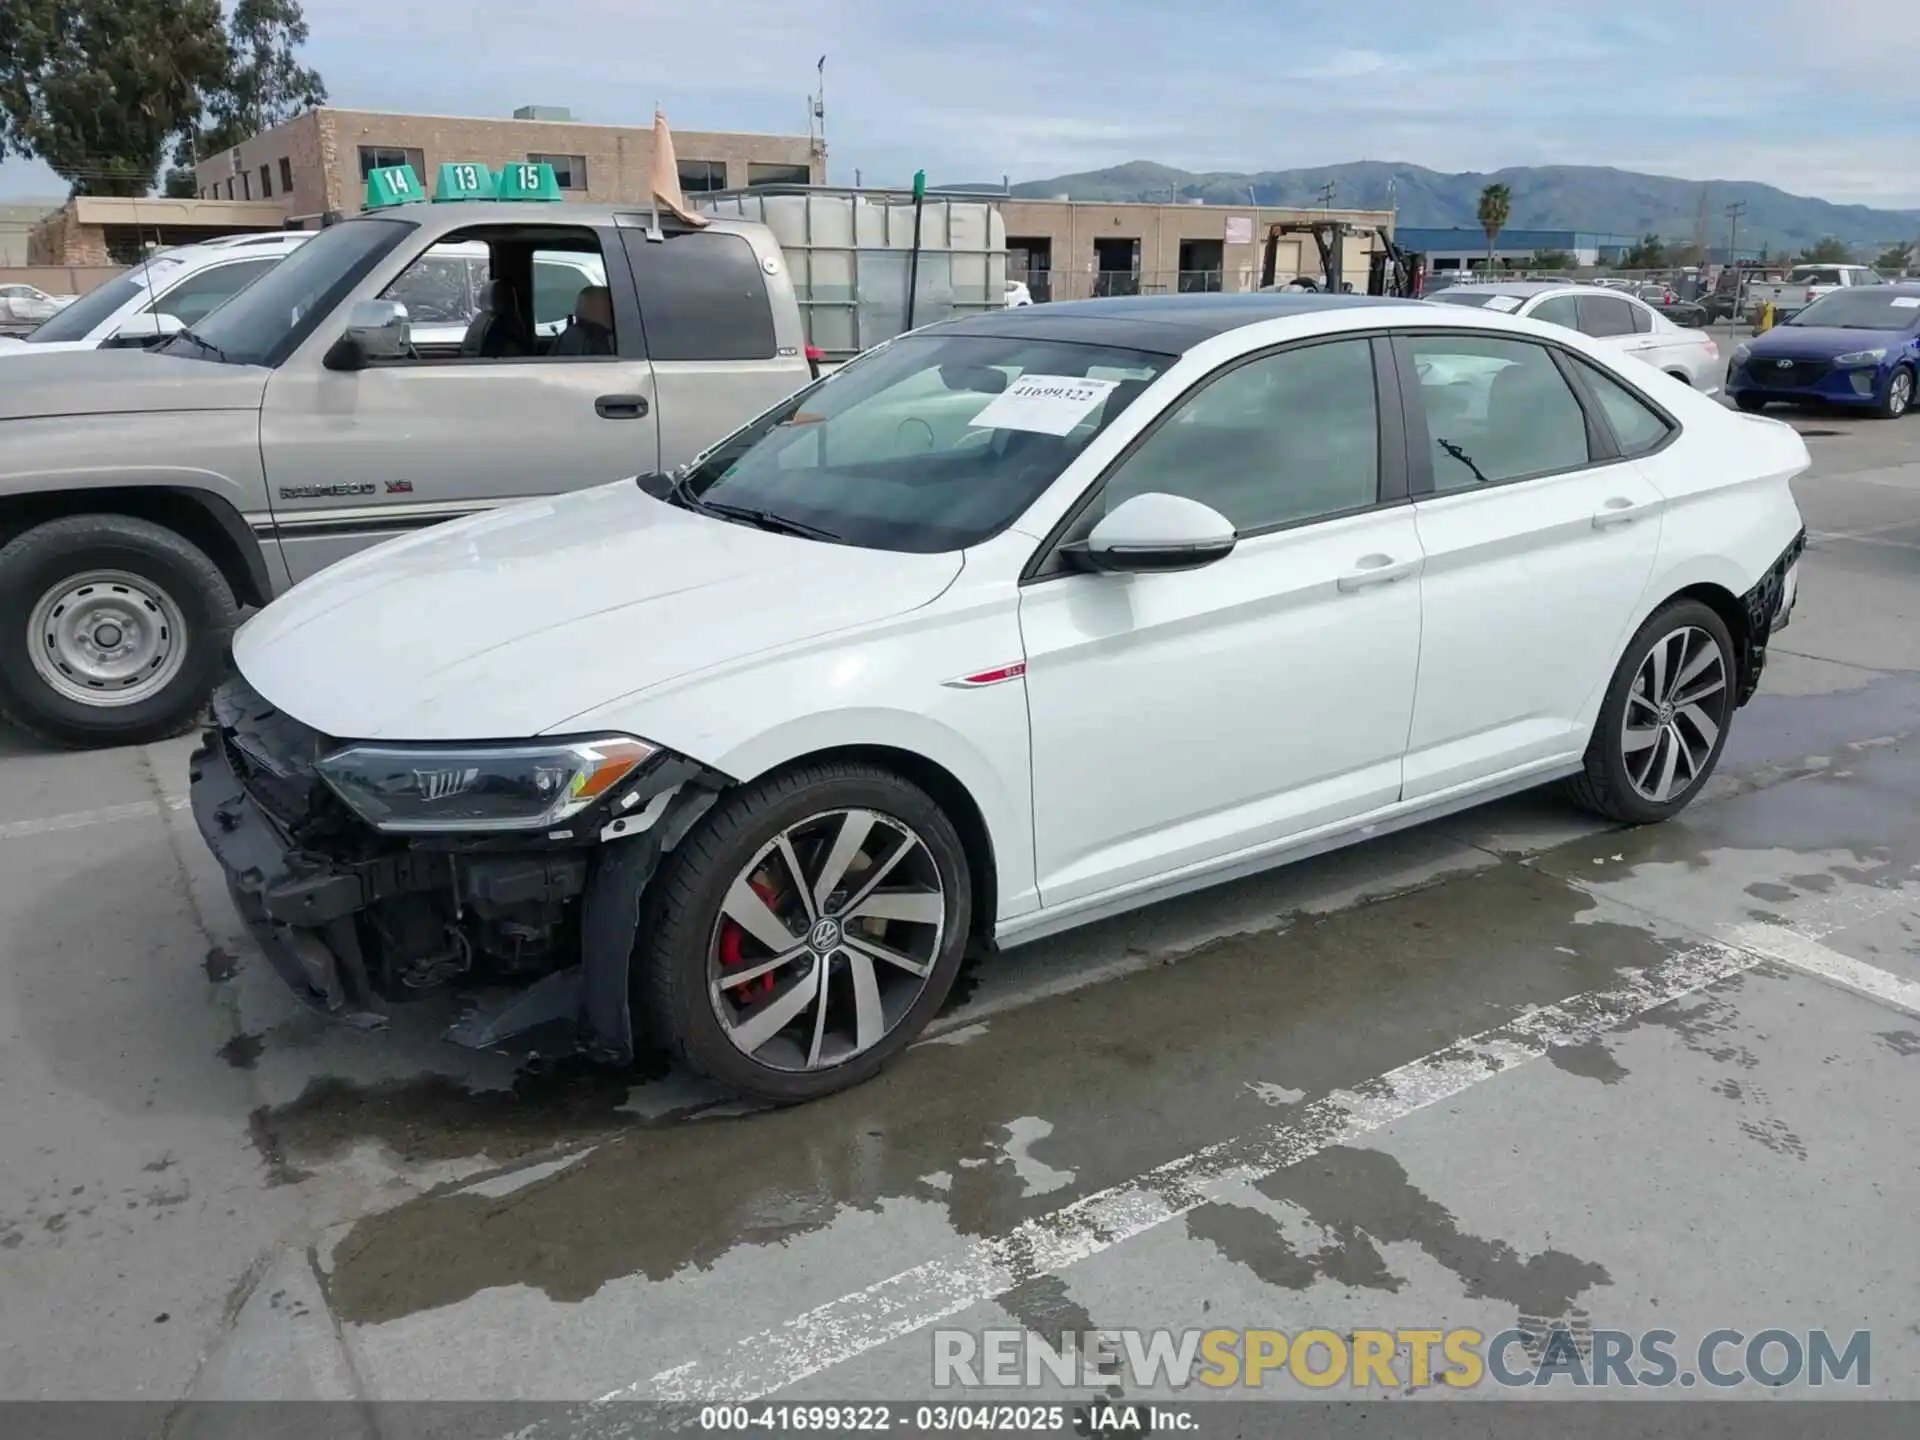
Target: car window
[
  {"x": 99, "y": 304},
  {"x": 1557, "y": 310},
  {"x": 199, "y": 295},
  {"x": 702, "y": 296},
  {"x": 1494, "y": 410},
  {"x": 1636, "y": 425},
  {"x": 1605, "y": 315},
  {"x": 1642, "y": 319},
  {"x": 436, "y": 289},
  {"x": 1275, "y": 441},
  {"x": 929, "y": 443},
  {"x": 557, "y": 284}
]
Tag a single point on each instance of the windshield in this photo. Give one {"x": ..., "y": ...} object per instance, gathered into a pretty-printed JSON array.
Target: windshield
[
  {"x": 265, "y": 322},
  {"x": 97, "y": 305},
  {"x": 1864, "y": 309},
  {"x": 933, "y": 442}
]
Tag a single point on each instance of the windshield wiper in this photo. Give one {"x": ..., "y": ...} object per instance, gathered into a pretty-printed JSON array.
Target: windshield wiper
[
  {"x": 1461, "y": 455},
  {"x": 763, "y": 519},
  {"x": 205, "y": 344}
]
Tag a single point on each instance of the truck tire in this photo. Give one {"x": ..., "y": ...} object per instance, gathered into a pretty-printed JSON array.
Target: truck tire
[
  {"x": 112, "y": 630},
  {"x": 743, "y": 853}
]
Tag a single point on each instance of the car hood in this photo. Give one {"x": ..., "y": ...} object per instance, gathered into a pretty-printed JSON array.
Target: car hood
[
  {"x": 1822, "y": 342},
  {"x": 18, "y": 345},
  {"x": 120, "y": 382},
  {"x": 510, "y": 623}
]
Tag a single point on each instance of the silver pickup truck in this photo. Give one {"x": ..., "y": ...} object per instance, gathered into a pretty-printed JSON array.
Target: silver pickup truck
[{"x": 147, "y": 496}]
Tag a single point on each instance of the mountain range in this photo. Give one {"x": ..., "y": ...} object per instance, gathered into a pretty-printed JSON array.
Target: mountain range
[{"x": 1544, "y": 197}]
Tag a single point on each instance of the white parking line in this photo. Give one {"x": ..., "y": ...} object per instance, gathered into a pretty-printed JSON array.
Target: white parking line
[
  {"x": 901, "y": 1304},
  {"x": 81, "y": 819},
  {"x": 1810, "y": 957}
]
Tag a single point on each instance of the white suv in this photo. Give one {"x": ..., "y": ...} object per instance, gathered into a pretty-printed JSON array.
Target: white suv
[{"x": 168, "y": 293}]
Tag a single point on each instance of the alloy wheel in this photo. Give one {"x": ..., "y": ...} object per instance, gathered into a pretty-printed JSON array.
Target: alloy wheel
[
  {"x": 1675, "y": 712},
  {"x": 1899, "y": 392},
  {"x": 107, "y": 638},
  {"x": 826, "y": 939}
]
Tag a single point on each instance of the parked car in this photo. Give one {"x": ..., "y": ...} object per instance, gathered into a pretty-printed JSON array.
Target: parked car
[
  {"x": 172, "y": 291},
  {"x": 1018, "y": 294},
  {"x": 1623, "y": 322},
  {"x": 22, "y": 307},
  {"x": 303, "y": 420},
  {"x": 1805, "y": 284},
  {"x": 1858, "y": 348},
  {"x": 745, "y": 757}
]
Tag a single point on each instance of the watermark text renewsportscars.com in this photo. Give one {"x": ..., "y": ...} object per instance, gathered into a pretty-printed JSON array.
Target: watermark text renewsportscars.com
[{"x": 1398, "y": 1360}]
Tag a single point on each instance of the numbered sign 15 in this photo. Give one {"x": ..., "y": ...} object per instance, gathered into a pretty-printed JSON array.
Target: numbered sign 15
[{"x": 526, "y": 180}]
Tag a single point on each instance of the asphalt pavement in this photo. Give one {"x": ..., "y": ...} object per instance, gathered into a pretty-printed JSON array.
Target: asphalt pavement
[{"x": 1512, "y": 1070}]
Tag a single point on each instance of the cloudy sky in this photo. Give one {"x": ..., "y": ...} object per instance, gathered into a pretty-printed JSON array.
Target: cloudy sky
[{"x": 1817, "y": 100}]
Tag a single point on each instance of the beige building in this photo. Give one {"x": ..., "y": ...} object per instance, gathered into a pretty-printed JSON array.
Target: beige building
[
  {"x": 319, "y": 161},
  {"x": 1069, "y": 250},
  {"x": 91, "y": 231}
]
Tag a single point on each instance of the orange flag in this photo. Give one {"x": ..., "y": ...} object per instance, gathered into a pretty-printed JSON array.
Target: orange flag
[{"x": 666, "y": 175}]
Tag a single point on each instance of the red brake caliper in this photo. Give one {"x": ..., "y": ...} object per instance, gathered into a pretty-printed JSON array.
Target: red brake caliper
[{"x": 731, "y": 936}]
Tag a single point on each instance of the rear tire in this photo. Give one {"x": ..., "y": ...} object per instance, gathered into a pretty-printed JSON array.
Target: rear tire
[
  {"x": 1752, "y": 404},
  {"x": 112, "y": 631},
  {"x": 1664, "y": 719},
  {"x": 681, "y": 966}
]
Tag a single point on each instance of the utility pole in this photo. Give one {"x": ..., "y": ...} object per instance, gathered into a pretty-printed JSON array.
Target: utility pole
[
  {"x": 1734, "y": 212},
  {"x": 1325, "y": 195}
]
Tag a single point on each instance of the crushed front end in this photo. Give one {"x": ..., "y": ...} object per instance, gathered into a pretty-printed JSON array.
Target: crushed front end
[{"x": 372, "y": 874}]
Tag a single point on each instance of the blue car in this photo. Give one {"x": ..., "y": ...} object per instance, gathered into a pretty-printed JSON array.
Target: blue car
[{"x": 1859, "y": 348}]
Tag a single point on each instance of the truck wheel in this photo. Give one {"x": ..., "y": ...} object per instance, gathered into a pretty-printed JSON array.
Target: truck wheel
[
  {"x": 112, "y": 630},
  {"x": 805, "y": 931},
  {"x": 1899, "y": 396}
]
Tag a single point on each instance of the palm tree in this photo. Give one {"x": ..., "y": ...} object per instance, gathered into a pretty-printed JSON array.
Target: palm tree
[{"x": 1496, "y": 204}]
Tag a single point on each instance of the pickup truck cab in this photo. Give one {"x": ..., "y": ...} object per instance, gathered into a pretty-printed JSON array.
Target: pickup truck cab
[
  {"x": 146, "y": 495},
  {"x": 157, "y": 298},
  {"x": 1807, "y": 283}
]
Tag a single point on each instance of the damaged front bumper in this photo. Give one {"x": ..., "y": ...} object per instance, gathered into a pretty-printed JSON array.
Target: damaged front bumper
[{"x": 353, "y": 920}]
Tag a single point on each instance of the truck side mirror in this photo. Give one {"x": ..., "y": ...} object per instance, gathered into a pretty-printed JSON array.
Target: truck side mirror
[
  {"x": 144, "y": 332},
  {"x": 376, "y": 330}
]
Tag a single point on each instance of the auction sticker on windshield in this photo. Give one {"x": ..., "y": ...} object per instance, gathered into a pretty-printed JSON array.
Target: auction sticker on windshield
[
  {"x": 1044, "y": 404},
  {"x": 1504, "y": 302},
  {"x": 1906, "y": 302}
]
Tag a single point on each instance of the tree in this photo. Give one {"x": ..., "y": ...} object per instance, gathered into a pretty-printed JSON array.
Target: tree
[
  {"x": 1894, "y": 258},
  {"x": 1649, "y": 253},
  {"x": 264, "y": 85},
  {"x": 179, "y": 184},
  {"x": 97, "y": 88},
  {"x": 1496, "y": 205},
  {"x": 1827, "y": 250},
  {"x": 1550, "y": 260}
]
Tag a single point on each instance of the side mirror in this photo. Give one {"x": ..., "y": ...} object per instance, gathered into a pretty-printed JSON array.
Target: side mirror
[
  {"x": 1155, "y": 532},
  {"x": 376, "y": 330},
  {"x": 143, "y": 332}
]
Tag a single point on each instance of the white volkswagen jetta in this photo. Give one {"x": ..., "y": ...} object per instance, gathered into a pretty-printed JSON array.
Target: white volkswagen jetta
[{"x": 1019, "y": 621}]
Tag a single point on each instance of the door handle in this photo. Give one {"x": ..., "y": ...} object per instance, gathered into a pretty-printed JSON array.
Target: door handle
[
  {"x": 1618, "y": 511},
  {"x": 620, "y": 407},
  {"x": 1375, "y": 570}
]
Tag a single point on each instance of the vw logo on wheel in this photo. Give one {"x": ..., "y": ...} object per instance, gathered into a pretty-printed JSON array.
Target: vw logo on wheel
[{"x": 824, "y": 936}]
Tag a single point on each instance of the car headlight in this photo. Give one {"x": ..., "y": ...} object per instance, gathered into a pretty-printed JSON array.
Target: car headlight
[
  {"x": 1741, "y": 353},
  {"x": 529, "y": 786},
  {"x": 1861, "y": 357}
]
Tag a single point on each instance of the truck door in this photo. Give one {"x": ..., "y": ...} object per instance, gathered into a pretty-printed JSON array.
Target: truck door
[
  {"x": 495, "y": 403},
  {"x": 723, "y": 332}
]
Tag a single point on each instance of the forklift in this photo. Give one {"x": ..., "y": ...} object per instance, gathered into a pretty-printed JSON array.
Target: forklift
[{"x": 1390, "y": 269}]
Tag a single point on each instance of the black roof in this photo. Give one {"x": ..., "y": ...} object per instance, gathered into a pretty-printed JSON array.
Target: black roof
[{"x": 1168, "y": 324}]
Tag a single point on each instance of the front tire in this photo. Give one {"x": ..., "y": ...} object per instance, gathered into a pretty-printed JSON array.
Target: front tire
[
  {"x": 1664, "y": 720},
  {"x": 1752, "y": 404},
  {"x": 112, "y": 630},
  {"x": 1899, "y": 397},
  {"x": 805, "y": 932}
]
